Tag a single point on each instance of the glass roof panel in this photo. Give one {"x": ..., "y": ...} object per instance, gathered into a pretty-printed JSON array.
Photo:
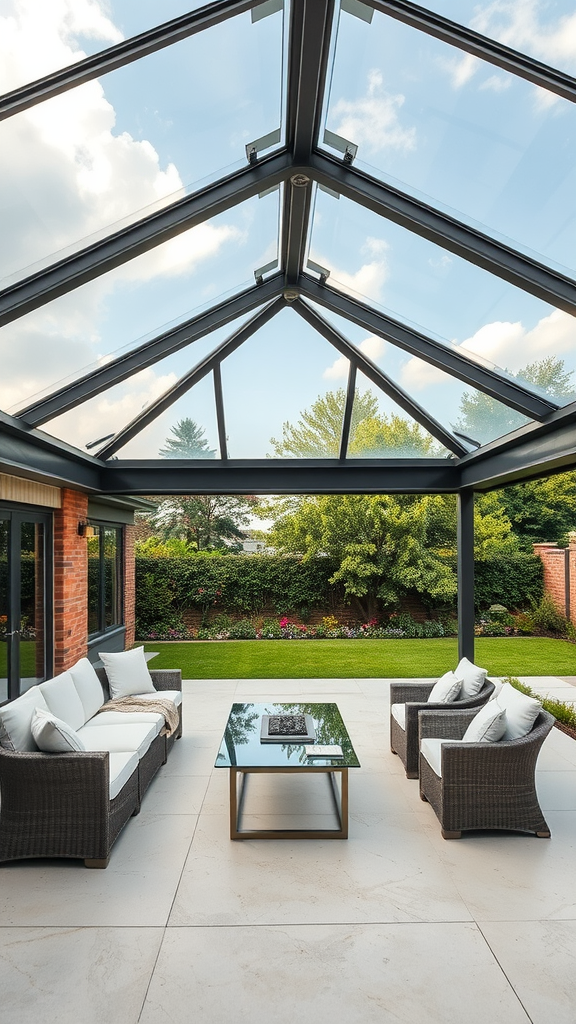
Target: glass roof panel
[
  {"x": 114, "y": 150},
  {"x": 482, "y": 143},
  {"x": 193, "y": 416},
  {"x": 381, "y": 430},
  {"x": 280, "y": 399},
  {"x": 441, "y": 295},
  {"x": 543, "y": 29},
  {"x": 202, "y": 265}
]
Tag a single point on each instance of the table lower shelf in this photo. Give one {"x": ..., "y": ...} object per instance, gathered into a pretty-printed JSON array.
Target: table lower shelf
[{"x": 339, "y": 797}]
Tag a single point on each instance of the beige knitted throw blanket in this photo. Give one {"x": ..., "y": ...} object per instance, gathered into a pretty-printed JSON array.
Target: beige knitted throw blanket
[{"x": 158, "y": 705}]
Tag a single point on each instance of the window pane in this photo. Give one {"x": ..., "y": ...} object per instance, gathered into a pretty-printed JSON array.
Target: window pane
[
  {"x": 112, "y": 614},
  {"x": 32, "y": 565},
  {"x": 458, "y": 132},
  {"x": 4, "y": 542},
  {"x": 94, "y": 625}
]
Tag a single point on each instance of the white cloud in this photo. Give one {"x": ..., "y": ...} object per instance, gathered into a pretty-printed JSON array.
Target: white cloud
[
  {"x": 522, "y": 24},
  {"x": 460, "y": 69},
  {"x": 496, "y": 83},
  {"x": 503, "y": 344},
  {"x": 370, "y": 278},
  {"x": 372, "y": 121},
  {"x": 67, "y": 175},
  {"x": 372, "y": 347}
]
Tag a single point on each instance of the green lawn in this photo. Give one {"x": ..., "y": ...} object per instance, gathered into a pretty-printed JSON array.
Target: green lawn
[{"x": 336, "y": 659}]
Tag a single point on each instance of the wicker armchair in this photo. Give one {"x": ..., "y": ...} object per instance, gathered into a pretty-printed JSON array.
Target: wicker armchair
[
  {"x": 404, "y": 741},
  {"x": 483, "y": 785}
]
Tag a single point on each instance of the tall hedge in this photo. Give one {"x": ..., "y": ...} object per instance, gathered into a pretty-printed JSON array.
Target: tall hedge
[{"x": 166, "y": 587}]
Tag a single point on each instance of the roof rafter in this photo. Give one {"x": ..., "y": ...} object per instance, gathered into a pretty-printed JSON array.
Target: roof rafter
[
  {"x": 481, "y": 46},
  {"x": 446, "y": 358},
  {"x": 129, "y": 242},
  {"x": 446, "y": 231},
  {"x": 154, "y": 409},
  {"x": 310, "y": 31},
  {"x": 103, "y": 377},
  {"x": 121, "y": 54},
  {"x": 382, "y": 381}
]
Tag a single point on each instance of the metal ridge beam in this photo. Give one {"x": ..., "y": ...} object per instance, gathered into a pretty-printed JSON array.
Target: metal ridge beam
[
  {"x": 310, "y": 31},
  {"x": 481, "y": 46},
  {"x": 282, "y": 476},
  {"x": 446, "y": 231},
  {"x": 448, "y": 359},
  {"x": 103, "y": 377},
  {"x": 154, "y": 409},
  {"x": 129, "y": 242},
  {"x": 382, "y": 381},
  {"x": 121, "y": 54},
  {"x": 535, "y": 450}
]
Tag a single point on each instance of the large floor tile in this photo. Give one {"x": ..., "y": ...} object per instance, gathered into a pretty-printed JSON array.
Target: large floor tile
[
  {"x": 556, "y": 790},
  {"x": 73, "y": 975},
  {"x": 386, "y": 871},
  {"x": 136, "y": 889},
  {"x": 176, "y": 794},
  {"x": 539, "y": 960},
  {"x": 379, "y": 974}
]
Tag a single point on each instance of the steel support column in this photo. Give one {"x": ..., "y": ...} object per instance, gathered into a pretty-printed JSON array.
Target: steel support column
[{"x": 466, "y": 574}]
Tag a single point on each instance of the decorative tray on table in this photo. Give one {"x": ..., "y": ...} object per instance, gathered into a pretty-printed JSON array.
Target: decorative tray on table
[{"x": 296, "y": 728}]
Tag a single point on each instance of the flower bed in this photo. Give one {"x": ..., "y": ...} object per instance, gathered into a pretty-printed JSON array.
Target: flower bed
[{"x": 397, "y": 627}]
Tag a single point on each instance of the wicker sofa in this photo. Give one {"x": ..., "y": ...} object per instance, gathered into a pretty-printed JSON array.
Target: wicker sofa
[
  {"x": 480, "y": 785},
  {"x": 75, "y": 804}
]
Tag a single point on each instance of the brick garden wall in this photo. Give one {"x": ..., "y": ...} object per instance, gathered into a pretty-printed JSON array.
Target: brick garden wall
[{"x": 560, "y": 568}]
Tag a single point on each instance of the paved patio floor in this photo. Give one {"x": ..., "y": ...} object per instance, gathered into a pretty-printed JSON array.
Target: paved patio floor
[{"x": 393, "y": 925}]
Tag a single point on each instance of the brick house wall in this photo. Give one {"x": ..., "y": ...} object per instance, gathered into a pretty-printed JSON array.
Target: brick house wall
[
  {"x": 70, "y": 581},
  {"x": 560, "y": 575}
]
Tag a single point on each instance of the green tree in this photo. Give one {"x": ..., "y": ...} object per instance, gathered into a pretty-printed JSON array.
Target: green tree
[
  {"x": 384, "y": 436},
  {"x": 317, "y": 433},
  {"x": 188, "y": 442},
  {"x": 205, "y": 522}
]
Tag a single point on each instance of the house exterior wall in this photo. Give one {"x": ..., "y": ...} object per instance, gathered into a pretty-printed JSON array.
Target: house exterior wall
[{"x": 70, "y": 581}]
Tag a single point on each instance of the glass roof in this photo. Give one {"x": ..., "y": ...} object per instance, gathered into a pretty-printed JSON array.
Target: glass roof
[
  {"x": 366, "y": 94},
  {"x": 490, "y": 147}
]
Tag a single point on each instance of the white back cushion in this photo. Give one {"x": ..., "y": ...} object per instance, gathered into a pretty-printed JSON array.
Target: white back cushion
[
  {"x": 53, "y": 735},
  {"x": 521, "y": 711},
  {"x": 472, "y": 678},
  {"x": 127, "y": 673},
  {"x": 446, "y": 689},
  {"x": 488, "y": 726},
  {"x": 16, "y": 720},
  {"x": 63, "y": 701},
  {"x": 88, "y": 686}
]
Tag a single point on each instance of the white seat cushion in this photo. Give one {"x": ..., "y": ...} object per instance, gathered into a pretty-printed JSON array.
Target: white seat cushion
[
  {"x": 88, "y": 686},
  {"x": 121, "y": 768},
  {"x": 129, "y": 718},
  {"x": 521, "y": 711},
  {"x": 472, "y": 678},
  {"x": 431, "y": 749},
  {"x": 127, "y": 672},
  {"x": 53, "y": 735},
  {"x": 118, "y": 738},
  {"x": 16, "y": 720},
  {"x": 174, "y": 695},
  {"x": 63, "y": 701},
  {"x": 399, "y": 714}
]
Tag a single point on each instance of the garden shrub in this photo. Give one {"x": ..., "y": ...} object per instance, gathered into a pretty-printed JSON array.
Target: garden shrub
[{"x": 547, "y": 618}]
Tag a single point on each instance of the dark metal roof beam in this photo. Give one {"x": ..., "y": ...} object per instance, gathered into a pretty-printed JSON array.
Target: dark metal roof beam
[
  {"x": 281, "y": 476},
  {"x": 379, "y": 378},
  {"x": 535, "y": 450},
  {"x": 122, "y": 53},
  {"x": 348, "y": 410},
  {"x": 446, "y": 231},
  {"x": 446, "y": 358},
  {"x": 132, "y": 241},
  {"x": 481, "y": 46},
  {"x": 37, "y": 456},
  {"x": 152, "y": 411},
  {"x": 220, "y": 420},
  {"x": 103, "y": 377},
  {"x": 310, "y": 29}
]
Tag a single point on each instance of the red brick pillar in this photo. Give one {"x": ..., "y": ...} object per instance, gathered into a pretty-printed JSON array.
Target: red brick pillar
[
  {"x": 70, "y": 581},
  {"x": 554, "y": 561},
  {"x": 129, "y": 586}
]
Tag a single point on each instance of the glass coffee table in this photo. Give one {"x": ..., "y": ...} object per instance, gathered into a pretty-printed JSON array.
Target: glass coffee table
[{"x": 244, "y": 752}]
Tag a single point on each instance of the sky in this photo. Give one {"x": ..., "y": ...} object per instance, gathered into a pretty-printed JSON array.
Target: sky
[{"x": 483, "y": 144}]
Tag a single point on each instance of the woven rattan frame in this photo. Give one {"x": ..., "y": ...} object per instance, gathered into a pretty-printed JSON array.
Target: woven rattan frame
[{"x": 483, "y": 785}]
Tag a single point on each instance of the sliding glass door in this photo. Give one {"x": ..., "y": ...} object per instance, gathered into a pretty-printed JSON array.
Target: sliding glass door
[{"x": 25, "y": 600}]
